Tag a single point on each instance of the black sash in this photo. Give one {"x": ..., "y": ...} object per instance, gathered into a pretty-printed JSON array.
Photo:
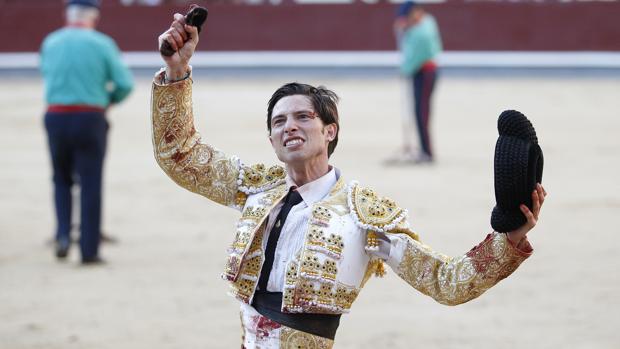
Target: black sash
[{"x": 268, "y": 304}]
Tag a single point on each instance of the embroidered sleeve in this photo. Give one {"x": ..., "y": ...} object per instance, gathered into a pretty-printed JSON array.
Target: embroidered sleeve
[
  {"x": 455, "y": 280},
  {"x": 197, "y": 167}
]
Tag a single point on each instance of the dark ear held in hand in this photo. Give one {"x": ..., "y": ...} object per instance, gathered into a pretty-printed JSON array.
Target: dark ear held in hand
[{"x": 196, "y": 16}]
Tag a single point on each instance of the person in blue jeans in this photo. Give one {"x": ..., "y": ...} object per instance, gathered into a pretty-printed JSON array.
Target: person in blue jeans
[
  {"x": 420, "y": 44},
  {"x": 84, "y": 75}
]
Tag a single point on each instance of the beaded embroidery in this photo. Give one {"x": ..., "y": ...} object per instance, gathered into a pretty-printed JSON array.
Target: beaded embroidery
[
  {"x": 320, "y": 216},
  {"x": 372, "y": 212},
  {"x": 248, "y": 230},
  {"x": 256, "y": 178}
]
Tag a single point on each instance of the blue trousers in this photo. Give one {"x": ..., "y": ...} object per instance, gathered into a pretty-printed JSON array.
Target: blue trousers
[
  {"x": 77, "y": 145},
  {"x": 423, "y": 86}
]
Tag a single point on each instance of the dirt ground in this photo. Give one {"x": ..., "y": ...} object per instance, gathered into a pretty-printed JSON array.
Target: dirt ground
[{"x": 161, "y": 285}]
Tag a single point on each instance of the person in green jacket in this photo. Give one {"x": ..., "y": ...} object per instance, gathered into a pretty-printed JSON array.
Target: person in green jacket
[
  {"x": 84, "y": 75},
  {"x": 420, "y": 43}
]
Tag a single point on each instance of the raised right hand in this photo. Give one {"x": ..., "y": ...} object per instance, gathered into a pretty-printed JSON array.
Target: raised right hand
[{"x": 177, "y": 65}]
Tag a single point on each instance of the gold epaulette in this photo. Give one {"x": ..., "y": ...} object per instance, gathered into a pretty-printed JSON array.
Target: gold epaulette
[
  {"x": 372, "y": 212},
  {"x": 257, "y": 178}
]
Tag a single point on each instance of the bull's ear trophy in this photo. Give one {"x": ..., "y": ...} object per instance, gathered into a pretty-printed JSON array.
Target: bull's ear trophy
[{"x": 196, "y": 16}]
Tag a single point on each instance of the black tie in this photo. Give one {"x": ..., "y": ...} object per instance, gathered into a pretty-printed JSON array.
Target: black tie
[{"x": 292, "y": 199}]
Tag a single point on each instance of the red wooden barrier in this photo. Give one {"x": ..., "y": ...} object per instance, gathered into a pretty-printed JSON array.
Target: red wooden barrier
[{"x": 476, "y": 26}]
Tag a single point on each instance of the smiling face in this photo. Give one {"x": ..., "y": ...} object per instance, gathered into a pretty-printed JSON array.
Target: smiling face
[{"x": 298, "y": 136}]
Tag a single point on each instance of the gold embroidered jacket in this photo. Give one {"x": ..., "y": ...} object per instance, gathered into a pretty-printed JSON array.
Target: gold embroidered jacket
[{"x": 327, "y": 274}]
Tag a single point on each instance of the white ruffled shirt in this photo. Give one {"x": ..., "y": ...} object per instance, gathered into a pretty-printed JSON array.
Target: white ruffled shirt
[{"x": 296, "y": 224}]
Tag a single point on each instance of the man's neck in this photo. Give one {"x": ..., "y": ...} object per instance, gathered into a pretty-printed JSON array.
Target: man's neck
[{"x": 306, "y": 173}]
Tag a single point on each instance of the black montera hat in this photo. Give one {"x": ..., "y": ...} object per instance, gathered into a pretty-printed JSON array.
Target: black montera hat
[{"x": 518, "y": 167}]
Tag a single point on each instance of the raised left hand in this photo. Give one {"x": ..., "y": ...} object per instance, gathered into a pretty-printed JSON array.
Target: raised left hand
[{"x": 538, "y": 197}]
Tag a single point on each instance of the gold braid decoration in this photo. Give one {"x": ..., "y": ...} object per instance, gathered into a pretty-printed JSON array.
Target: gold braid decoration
[
  {"x": 197, "y": 167},
  {"x": 374, "y": 212},
  {"x": 375, "y": 267},
  {"x": 258, "y": 178},
  {"x": 295, "y": 339},
  {"x": 453, "y": 281}
]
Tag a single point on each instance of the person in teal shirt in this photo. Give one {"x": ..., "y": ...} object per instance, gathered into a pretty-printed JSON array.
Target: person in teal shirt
[
  {"x": 420, "y": 43},
  {"x": 84, "y": 75}
]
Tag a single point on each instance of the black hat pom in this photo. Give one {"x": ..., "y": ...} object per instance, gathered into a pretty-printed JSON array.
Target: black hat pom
[{"x": 513, "y": 123}]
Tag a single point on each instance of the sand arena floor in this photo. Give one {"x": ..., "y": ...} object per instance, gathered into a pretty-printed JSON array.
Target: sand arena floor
[{"x": 161, "y": 287}]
